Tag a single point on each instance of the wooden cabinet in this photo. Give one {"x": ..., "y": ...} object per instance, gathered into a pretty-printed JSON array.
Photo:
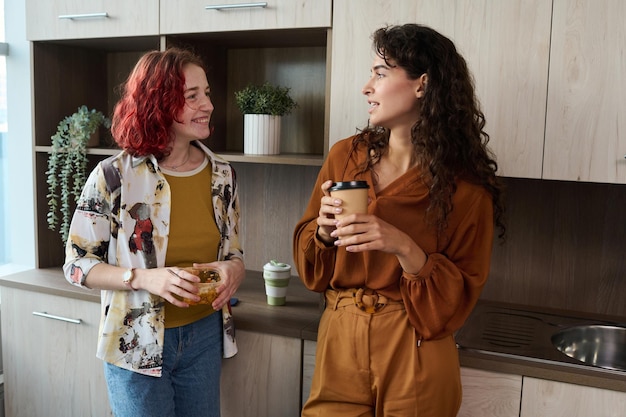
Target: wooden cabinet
[
  {"x": 586, "y": 115},
  {"x": 65, "y": 77},
  {"x": 308, "y": 366},
  {"x": 75, "y": 19},
  {"x": 263, "y": 379},
  {"x": 189, "y": 16},
  {"x": 557, "y": 399},
  {"x": 506, "y": 45},
  {"x": 490, "y": 394},
  {"x": 294, "y": 58},
  {"x": 68, "y": 73},
  {"x": 48, "y": 347},
  {"x": 567, "y": 127}
]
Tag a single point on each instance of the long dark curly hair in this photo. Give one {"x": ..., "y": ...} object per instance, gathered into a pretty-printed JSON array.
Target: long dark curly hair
[{"x": 449, "y": 137}]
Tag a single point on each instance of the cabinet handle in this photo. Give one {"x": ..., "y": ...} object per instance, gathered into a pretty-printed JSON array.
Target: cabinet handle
[
  {"x": 84, "y": 16},
  {"x": 52, "y": 316},
  {"x": 235, "y": 6}
]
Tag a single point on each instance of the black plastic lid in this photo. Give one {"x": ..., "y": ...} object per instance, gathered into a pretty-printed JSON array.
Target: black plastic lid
[{"x": 348, "y": 185}]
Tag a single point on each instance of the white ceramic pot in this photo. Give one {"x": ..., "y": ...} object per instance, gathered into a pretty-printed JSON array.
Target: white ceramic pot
[{"x": 261, "y": 134}]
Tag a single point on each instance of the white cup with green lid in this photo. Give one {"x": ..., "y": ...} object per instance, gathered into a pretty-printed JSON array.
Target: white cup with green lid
[{"x": 276, "y": 275}]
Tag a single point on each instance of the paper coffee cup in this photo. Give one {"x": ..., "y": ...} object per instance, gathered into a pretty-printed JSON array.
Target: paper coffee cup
[
  {"x": 276, "y": 276},
  {"x": 353, "y": 194}
]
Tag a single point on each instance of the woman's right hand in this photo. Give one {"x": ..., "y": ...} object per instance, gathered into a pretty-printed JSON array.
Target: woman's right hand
[
  {"x": 168, "y": 283},
  {"x": 329, "y": 206}
]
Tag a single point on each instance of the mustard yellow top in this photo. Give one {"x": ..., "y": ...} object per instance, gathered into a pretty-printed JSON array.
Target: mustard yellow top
[{"x": 194, "y": 236}]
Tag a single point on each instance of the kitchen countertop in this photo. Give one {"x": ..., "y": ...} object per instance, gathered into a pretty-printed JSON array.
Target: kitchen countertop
[
  {"x": 297, "y": 318},
  {"x": 300, "y": 315}
]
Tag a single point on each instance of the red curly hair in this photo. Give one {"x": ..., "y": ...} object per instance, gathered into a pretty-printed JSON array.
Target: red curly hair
[{"x": 152, "y": 96}]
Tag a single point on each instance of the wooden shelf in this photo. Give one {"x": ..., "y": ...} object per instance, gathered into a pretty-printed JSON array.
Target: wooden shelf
[{"x": 282, "y": 159}]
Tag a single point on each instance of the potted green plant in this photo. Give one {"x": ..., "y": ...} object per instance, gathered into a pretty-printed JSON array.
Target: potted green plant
[
  {"x": 67, "y": 164},
  {"x": 263, "y": 106}
]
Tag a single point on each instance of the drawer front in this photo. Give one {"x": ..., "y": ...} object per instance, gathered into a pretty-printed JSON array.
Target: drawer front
[
  {"x": 48, "y": 347},
  {"x": 189, "y": 16},
  {"x": 79, "y": 19}
]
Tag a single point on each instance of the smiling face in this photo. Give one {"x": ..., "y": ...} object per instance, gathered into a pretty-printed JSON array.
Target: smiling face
[
  {"x": 393, "y": 96},
  {"x": 193, "y": 120}
]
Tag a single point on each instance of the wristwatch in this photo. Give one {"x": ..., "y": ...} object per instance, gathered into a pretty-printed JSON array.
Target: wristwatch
[{"x": 127, "y": 278}]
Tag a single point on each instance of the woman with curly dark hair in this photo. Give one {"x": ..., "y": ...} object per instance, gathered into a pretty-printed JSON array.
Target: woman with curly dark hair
[{"x": 401, "y": 279}]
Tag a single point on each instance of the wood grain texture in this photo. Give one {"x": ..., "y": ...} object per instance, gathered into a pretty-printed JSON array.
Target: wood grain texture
[
  {"x": 308, "y": 367},
  {"x": 189, "y": 16},
  {"x": 586, "y": 116},
  {"x": 565, "y": 247},
  {"x": 490, "y": 394},
  {"x": 543, "y": 398},
  {"x": 273, "y": 199},
  {"x": 136, "y": 18},
  {"x": 506, "y": 46},
  {"x": 263, "y": 379},
  {"x": 51, "y": 369},
  {"x": 303, "y": 71}
]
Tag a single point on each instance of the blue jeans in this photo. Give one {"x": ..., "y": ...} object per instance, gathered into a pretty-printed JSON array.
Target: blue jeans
[{"x": 190, "y": 384}]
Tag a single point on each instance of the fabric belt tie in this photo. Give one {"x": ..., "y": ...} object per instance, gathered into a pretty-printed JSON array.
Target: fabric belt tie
[{"x": 365, "y": 299}]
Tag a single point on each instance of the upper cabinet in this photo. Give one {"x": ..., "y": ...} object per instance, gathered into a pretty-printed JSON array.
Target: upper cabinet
[
  {"x": 586, "y": 115},
  {"x": 190, "y": 16},
  {"x": 76, "y": 19},
  {"x": 549, "y": 76},
  {"x": 506, "y": 45},
  {"x": 289, "y": 48}
]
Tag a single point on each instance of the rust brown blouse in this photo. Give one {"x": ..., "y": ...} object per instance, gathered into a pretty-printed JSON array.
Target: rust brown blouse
[{"x": 440, "y": 297}]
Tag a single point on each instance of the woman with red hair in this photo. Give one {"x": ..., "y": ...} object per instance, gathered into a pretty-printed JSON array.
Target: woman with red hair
[{"x": 163, "y": 203}]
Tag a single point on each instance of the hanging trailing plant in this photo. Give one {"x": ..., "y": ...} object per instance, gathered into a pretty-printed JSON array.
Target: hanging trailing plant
[{"x": 67, "y": 164}]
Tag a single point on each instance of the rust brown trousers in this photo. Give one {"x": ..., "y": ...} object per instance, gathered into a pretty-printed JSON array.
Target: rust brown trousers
[{"x": 368, "y": 362}]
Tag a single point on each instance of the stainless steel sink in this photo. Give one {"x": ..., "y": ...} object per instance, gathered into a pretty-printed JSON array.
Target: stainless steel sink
[
  {"x": 597, "y": 345},
  {"x": 573, "y": 341}
]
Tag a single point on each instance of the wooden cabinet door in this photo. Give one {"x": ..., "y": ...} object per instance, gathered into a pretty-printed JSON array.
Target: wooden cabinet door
[
  {"x": 191, "y": 16},
  {"x": 490, "y": 394},
  {"x": 557, "y": 399},
  {"x": 586, "y": 115},
  {"x": 506, "y": 45},
  {"x": 77, "y": 19},
  {"x": 50, "y": 364},
  {"x": 308, "y": 367},
  {"x": 263, "y": 379}
]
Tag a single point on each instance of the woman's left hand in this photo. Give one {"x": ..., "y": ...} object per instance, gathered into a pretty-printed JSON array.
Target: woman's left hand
[
  {"x": 232, "y": 273},
  {"x": 363, "y": 232}
]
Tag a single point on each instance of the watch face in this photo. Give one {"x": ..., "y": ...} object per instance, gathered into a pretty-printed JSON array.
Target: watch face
[{"x": 128, "y": 276}]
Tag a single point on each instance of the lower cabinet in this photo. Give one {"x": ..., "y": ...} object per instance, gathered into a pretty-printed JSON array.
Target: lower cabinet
[
  {"x": 263, "y": 379},
  {"x": 50, "y": 367},
  {"x": 308, "y": 365},
  {"x": 543, "y": 398},
  {"x": 50, "y": 370},
  {"x": 490, "y": 394},
  {"x": 49, "y": 356}
]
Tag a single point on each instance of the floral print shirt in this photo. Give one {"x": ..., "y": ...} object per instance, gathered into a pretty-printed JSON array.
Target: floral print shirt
[{"x": 122, "y": 218}]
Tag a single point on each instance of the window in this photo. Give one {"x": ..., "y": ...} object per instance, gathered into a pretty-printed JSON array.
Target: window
[
  {"x": 17, "y": 200},
  {"x": 3, "y": 132}
]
